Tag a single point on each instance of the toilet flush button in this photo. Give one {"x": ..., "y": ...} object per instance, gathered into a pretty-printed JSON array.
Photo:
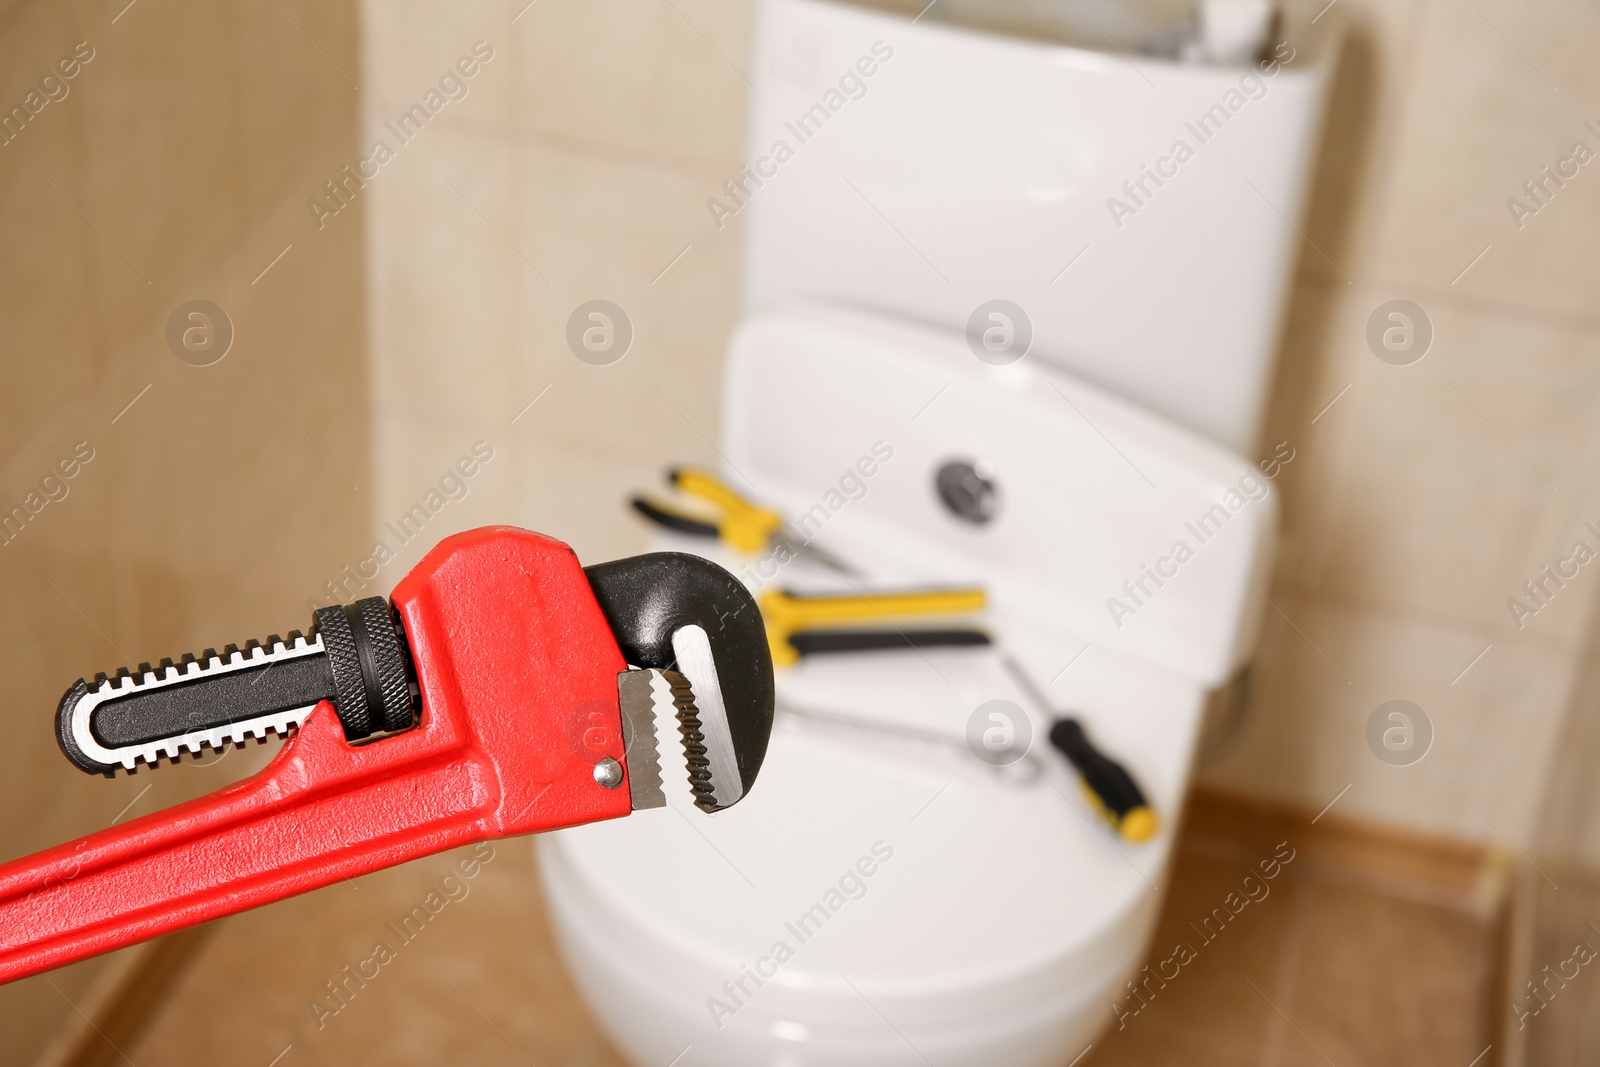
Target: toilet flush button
[{"x": 967, "y": 489}]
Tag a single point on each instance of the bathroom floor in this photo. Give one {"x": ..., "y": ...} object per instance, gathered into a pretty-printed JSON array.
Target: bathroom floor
[{"x": 1368, "y": 949}]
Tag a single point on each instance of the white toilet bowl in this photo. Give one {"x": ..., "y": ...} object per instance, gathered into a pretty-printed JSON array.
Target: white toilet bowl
[
  {"x": 937, "y": 910},
  {"x": 959, "y": 914}
]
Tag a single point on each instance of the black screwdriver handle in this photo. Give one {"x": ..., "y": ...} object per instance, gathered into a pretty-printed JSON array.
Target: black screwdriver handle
[{"x": 1111, "y": 787}]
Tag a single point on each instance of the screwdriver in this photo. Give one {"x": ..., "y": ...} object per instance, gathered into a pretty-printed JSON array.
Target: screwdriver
[{"x": 1110, "y": 789}]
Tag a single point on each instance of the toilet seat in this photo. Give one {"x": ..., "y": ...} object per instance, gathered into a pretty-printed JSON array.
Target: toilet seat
[{"x": 1004, "y": 906}]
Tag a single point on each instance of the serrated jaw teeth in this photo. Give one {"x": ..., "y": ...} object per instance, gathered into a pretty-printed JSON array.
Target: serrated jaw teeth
[
  {"x": 694, "y": 740},
  {"x": 639, "y": 690},
  {"x": 703, "y": 714},
  {"x": 636, "y": 694}
]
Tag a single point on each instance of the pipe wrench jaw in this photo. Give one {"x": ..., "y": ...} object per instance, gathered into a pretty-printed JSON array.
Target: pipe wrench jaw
[{"x": 696, "y": 628}]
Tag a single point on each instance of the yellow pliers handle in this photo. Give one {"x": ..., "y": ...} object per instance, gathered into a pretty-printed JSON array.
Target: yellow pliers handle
[
  {"x": 787, "y": 614},
  {"x": 746, "y": 526}
]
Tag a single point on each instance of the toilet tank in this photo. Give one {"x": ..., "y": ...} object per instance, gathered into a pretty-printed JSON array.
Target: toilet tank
[{"x": 1141, "y": 212}]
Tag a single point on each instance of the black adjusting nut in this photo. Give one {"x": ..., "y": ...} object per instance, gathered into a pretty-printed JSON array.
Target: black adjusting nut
[{"x": 370, "y": 667}]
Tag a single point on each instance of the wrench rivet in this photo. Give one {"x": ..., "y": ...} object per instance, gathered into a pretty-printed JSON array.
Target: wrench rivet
[{"x": 608, "y": 772}]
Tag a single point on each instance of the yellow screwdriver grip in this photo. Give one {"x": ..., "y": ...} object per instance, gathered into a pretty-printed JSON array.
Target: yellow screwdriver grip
[
  {"x": 745, "y": 526},
  {"x": 1136, "y": 827},
  {"x": 786, "y": 614}
]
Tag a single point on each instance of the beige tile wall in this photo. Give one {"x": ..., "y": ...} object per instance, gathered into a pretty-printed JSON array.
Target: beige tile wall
[
  {"x": 578, "y": 168},
  {"x": 1428, "y": 494},
  {"x": 180, "y": 159}
]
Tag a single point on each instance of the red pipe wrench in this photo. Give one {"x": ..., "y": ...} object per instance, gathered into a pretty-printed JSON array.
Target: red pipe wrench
[{"x": 503, "y": 690}]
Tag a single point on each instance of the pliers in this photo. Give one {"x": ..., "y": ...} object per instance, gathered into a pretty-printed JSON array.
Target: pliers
[
  {"x": 741, "y": 524},
  {"x": 502, "y": 690}
]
